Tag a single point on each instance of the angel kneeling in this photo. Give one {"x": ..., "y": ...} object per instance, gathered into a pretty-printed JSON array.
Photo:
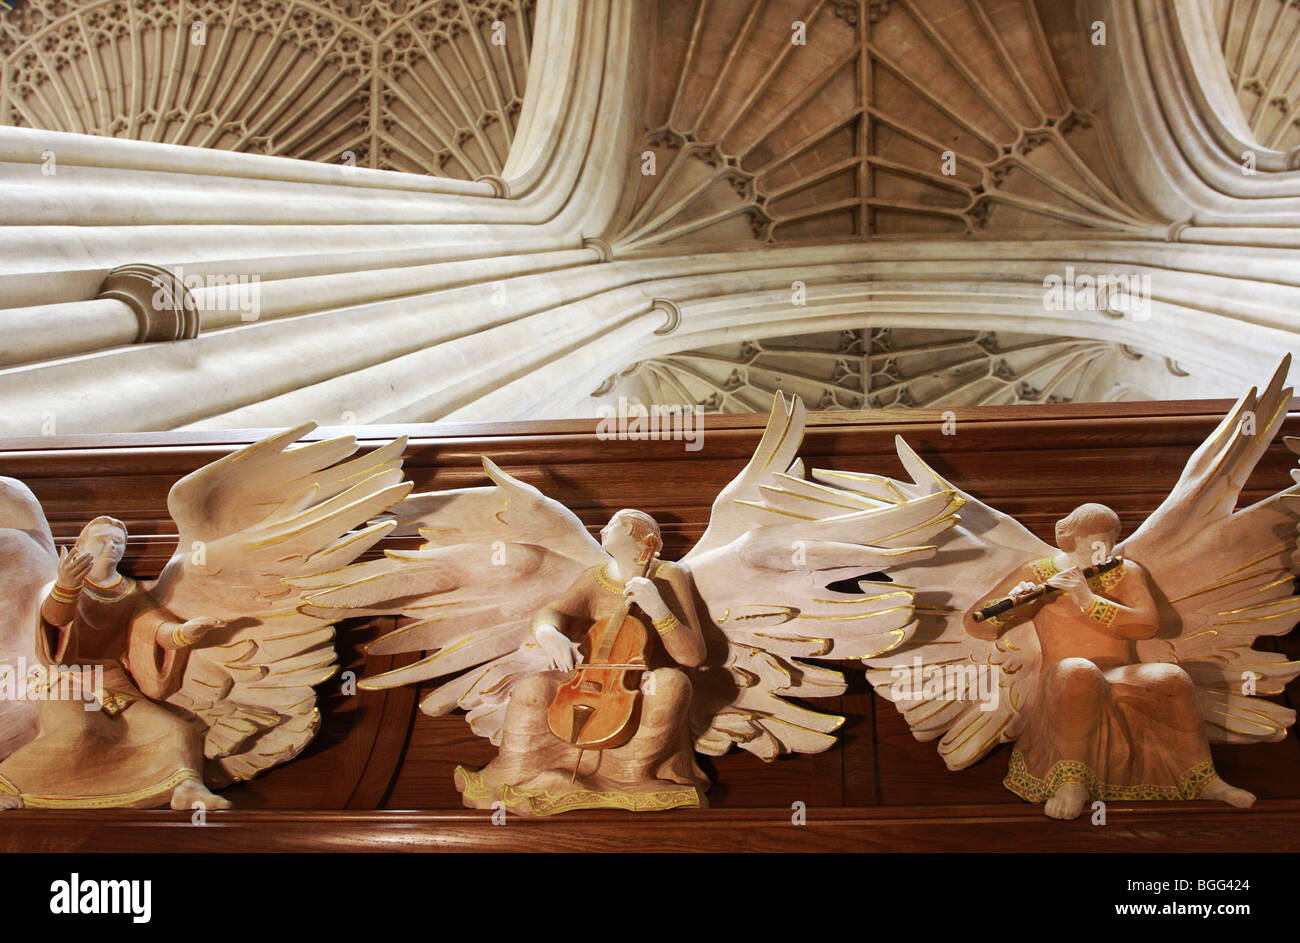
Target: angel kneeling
[
  {"x": 652, "y": 764},
  {"x": 126, "y": 749},
  {"x": 1105, "y": 725}
]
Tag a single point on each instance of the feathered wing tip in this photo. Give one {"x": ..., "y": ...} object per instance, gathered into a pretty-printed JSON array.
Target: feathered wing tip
[
  {"x": 273, "y": 521},
  {"x": 925, "y": 480},
  {"x": 500, "y": 478},
  {"x": 774, "y": 455},
  {"x": 923, "y": 476},
  {"x": 1213, "y": 477},
  {"x": 772, "y": 606},
  {"x": 778, "y": 445},
  {"x": 930, "y": 677}
]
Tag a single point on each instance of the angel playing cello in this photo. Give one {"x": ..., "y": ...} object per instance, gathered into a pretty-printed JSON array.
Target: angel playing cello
[
  {"x": 509, "y": 582},
  {"x": 1113, "y": 685},
  {"x": 651, "y": 764},
  {"x": 208, "y": 670}
]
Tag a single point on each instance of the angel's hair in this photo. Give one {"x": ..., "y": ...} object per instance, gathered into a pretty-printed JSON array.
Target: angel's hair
[
  {"x": 643, "y": 528},
  {"x": 1087, "y": 519},
  {"x": 99, "y": 522}
]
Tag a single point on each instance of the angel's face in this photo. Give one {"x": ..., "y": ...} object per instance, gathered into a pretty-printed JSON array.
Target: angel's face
[
  {"x": 617, "y": 539},
  {"x": 105, "y": 542}
]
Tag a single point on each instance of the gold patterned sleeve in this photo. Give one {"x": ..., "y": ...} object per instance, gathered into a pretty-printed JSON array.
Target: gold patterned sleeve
[
  {"x": 1130, "y": 610},
  {"x": 58, "y": 612},
  {"x": 60, "y": 606}
]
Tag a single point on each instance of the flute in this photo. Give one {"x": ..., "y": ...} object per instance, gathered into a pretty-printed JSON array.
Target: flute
[{"x": 1008, "y": 603}]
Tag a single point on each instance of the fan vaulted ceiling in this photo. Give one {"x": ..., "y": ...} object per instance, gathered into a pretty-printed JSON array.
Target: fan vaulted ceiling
[{"x": 507, "y": 209}]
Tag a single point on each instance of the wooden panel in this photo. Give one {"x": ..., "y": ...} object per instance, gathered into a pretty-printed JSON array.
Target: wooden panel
[
  {"x": 1130, "y": 827},
  {"x": 878, "y": 787}
]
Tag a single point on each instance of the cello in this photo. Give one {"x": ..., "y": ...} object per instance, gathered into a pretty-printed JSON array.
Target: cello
[{"x": 599, "y": 706}]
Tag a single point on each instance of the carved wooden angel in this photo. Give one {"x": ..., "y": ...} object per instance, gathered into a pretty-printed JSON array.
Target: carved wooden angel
[
  {"x": 1120, "y": 662},
  {"x": 203, "y": 676},
  {"x": 509, "y": 588}
]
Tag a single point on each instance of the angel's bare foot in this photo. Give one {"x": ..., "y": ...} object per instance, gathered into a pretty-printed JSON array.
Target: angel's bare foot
[
  {"x": 192, "y": 791},
  {"x": 1221, "y": 791},
  {"x": 1068, "y": 802},
  {"x": 10, "y": 802}
]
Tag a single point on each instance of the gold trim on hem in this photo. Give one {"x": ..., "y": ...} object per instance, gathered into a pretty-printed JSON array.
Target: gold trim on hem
[
  {"x": 1191, "y": 784},
  {"x": 33, "y": 801}
]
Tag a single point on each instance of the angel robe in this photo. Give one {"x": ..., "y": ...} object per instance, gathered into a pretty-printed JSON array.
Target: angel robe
[
  {"x": 129, "y": 753},
  {"x": 1121, "y": 728}
]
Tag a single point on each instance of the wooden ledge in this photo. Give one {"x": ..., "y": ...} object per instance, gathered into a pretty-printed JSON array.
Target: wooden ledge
[{"x": 1272, "y": 826}]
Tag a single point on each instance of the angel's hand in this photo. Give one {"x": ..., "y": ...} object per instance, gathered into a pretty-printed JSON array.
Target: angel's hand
[
  {"x": 194, "y": 630},
  {"x": 646, "y": 595},
  {"x": 1075, "y": 585},
  {"x": 563, "y": 653},
  {"x": 74, "y": 567},
  {"x": 1024, "y": 589}
]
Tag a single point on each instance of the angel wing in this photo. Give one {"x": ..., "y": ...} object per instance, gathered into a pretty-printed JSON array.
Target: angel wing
[
  {"x": 248, "y": 522},
  {"x": 945, "y": 587},
  {"x": 492, "y": 557},
  {"x": 28, "y": 562},
  {"x": 774, "y": 542},
  {"x": 1226, "y": 575}
]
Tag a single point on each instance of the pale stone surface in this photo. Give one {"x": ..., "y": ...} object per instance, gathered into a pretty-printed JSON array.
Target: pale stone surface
[{"x": 359, "y": 294}]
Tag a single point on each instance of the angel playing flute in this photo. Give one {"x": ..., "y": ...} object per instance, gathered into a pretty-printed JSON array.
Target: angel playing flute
[
  {"x": 1097, "y": 700},
  {"x": 1114, "y": 686}
]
